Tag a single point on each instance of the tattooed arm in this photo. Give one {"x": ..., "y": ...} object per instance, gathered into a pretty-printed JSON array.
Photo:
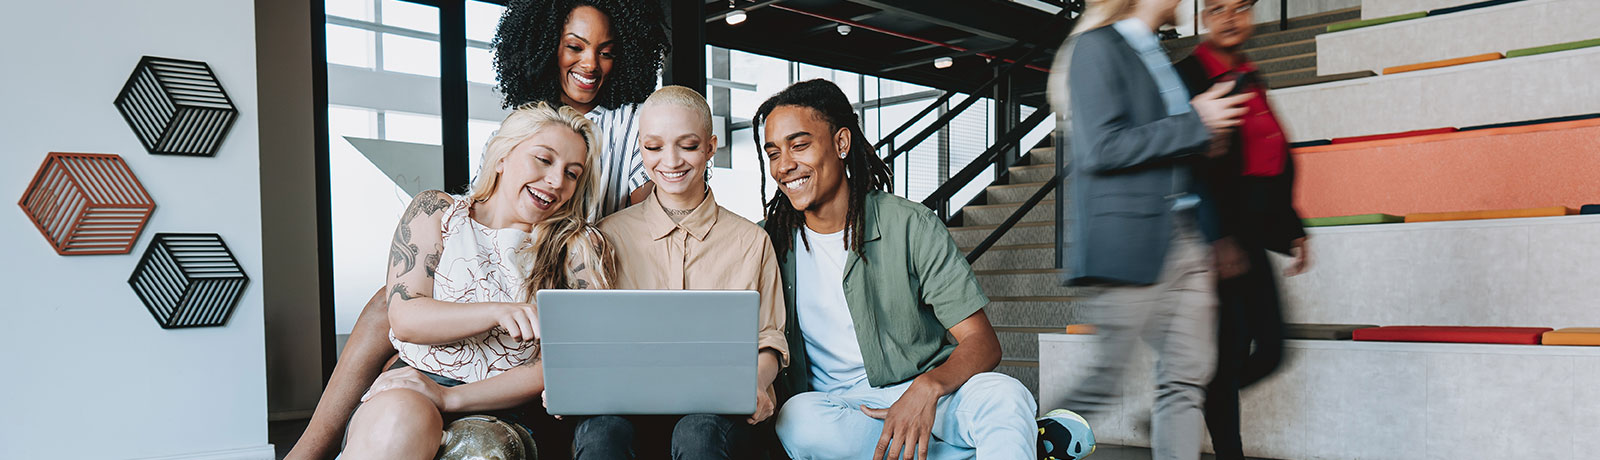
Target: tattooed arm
[
  {"x": 414, "y": 315},
  {"x": 591, "y": 262}
]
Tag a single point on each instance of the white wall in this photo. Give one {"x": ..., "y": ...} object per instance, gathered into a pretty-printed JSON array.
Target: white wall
[
  {"x": 91, "y": 373},
  {"x": 1495, "y": 29}
]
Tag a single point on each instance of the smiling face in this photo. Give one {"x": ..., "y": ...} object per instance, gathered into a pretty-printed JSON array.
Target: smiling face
[
  {"x": 675, "y": 145},
  {"x": 541, "y": 173},
  {"x": 803, "y": 156},
  {"x": 1229, "y": 21},
  {"x": 584, "y": 57}
]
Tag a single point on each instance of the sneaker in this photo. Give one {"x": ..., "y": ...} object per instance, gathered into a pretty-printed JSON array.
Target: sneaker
[{"x": 1064, "y": 435}]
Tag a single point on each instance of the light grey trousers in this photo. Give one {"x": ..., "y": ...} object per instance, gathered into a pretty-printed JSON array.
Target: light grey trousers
[{"x": 1177, "y": 316}]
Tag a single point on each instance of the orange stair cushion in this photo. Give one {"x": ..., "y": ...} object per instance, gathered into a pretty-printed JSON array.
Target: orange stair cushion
[
  {"x": 1084, "y": 329},
  {"x": 1494, "y": 214},
  {"x": 1573, "y": 336},
  {"x": 1442, "y": 63}
]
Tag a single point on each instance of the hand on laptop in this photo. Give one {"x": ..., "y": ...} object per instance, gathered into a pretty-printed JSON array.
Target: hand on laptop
[
  {"x": 546, "y": 401},
  {"x": 764, "y": 406}
]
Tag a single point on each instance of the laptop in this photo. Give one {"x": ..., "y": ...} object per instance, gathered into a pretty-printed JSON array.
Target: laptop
[{"x": 622, "y": 352}]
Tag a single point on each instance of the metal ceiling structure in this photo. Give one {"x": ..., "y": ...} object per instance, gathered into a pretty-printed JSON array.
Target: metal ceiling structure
[{"x": 900, "y": 39}]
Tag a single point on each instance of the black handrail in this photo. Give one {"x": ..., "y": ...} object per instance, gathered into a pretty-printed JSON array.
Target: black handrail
[
  {"x": 941, "y": 196},
  {"x": 1011, "y": 221},
  {"x": 1283, "y": 15}
]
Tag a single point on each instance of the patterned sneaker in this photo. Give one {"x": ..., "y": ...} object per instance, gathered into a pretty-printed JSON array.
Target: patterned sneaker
[{"x": 1064, "y": 435}]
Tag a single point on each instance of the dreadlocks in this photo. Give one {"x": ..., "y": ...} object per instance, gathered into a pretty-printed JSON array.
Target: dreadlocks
[
  {"x": 529, "y": 34},
  {"x": 864, "y": 171}
]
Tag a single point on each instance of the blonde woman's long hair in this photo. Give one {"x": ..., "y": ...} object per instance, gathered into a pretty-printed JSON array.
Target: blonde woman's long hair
[
  {"x": 1100, "y": 13},
  {"x": 564, "y": 238}
]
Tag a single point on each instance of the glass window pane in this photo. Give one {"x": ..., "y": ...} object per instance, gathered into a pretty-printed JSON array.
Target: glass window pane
[
  {"x": 350, "y": 46},
  {"x": 412, "y": 16},
  {"x": 410, "y": 55},
  {"x": 353, "y": 9},
  {"x": 480, "y": 66},
  {"x": 365, "y": 206},
  {"x": 482, "y": 19},
  {"x": 411, "y": 127},
  {"x": 478, "y": 134}
]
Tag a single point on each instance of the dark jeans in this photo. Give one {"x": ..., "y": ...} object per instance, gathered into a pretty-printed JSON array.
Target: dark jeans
[
  {"x": 693, "y": 437},
  {"x": 1249, "y": 312}
]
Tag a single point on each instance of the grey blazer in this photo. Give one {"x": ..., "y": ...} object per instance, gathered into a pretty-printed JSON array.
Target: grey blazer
[{"x": 1128, "y": 159}]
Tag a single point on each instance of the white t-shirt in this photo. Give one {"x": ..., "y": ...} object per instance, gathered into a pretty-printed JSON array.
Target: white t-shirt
[{"x": 825, "y": 322}]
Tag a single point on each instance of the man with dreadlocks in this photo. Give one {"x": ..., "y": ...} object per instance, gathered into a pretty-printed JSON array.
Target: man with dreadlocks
[{"x": 876, "y": 283}]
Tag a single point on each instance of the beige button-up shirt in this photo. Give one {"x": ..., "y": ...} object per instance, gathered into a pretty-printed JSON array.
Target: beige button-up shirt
[{"x": 711, "y": 248}]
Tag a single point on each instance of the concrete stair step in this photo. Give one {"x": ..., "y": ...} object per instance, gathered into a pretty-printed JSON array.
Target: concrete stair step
[
  {"x": 1016, "y": 193},
  {"x": 1020, "y": 343},
  {"x": 1026, "y": 282},
  {"x": 1022, "y": 233},
  {"x": 1289, "y": 76},
  {"x": 1041, "y": 156},
  {"x": 1031, "y": 173},
  {"x": 1036, "y": 256},
  {"x": 1026, "y": 372},
  {"x": 1288, "y": 63},
  {"x": 1281, "y": 50},
  {"x": 993, "y": 214},
  {"x": 1052, "y": 314}
]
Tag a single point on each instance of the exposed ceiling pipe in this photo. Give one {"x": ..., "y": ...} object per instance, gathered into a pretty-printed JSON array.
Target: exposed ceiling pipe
[{"x": 901, "y": 35}]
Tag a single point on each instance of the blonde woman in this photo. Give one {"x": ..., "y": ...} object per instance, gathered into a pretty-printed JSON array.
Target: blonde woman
[
  {"x": 1145, "y": 232},
  {"x": 462, "y": 273}
]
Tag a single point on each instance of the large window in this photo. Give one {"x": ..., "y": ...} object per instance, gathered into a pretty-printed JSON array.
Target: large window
[{"x": 387, "y": 126}]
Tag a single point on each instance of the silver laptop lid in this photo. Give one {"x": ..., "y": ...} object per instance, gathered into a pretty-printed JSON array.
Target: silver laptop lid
[{"x": 627, "y": 352}]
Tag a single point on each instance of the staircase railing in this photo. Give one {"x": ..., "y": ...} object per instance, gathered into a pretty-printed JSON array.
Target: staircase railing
[
  {"x": 1014, "y": 218},
  {"x": 939, "y": 200}
]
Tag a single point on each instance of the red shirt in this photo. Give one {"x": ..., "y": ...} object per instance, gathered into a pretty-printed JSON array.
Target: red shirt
[{"x": 1264, "y": 146}]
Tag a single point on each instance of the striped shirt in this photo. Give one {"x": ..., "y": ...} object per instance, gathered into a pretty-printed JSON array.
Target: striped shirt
[{"x": 621, "y": 168}]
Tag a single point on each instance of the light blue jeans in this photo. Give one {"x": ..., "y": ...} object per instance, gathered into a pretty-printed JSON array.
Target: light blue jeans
[{"x": 990, "y": 417}]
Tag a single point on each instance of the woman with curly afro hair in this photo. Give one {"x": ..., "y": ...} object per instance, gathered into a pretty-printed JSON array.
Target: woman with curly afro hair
[{"x": 600, "y": 57}]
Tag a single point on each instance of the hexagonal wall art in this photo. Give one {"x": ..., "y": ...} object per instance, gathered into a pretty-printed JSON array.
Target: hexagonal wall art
[
  {"x": 176, "y": 107},
  {"x": 87, "y": 203},
  {"x": 189, "y": 280}
]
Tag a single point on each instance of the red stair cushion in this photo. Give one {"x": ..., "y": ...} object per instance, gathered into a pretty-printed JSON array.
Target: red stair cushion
[{"x": 1453, "y": 334}]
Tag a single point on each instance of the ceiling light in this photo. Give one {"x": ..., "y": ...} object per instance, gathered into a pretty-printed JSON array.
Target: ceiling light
[
  {"x": 735, "y": 17},
  {"x": 844, "y": 29},
  {"x": 943, "y": 63}
]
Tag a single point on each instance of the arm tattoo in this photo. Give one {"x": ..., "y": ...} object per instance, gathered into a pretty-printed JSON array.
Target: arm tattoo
[
  {"x": 431, "y": 263},
  {"x": 401, "y": 251},
  {"x": 405, "y": 294},
  {"x": 575, "y": 277}
]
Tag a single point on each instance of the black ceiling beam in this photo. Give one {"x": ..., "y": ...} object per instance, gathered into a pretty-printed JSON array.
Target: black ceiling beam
[
  {"x": 830, "y": 27},
  {"x": 998, "y": 20}
]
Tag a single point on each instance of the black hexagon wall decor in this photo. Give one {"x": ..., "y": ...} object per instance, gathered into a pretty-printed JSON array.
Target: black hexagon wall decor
[
  {"x": 189, "y": 280},
  {"x": 176, "y": 107}
]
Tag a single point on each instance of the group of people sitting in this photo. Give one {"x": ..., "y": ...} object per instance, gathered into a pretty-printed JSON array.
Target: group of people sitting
[
  {"x": 596, "y": 182},
  {"x": 872, "y": 341}
]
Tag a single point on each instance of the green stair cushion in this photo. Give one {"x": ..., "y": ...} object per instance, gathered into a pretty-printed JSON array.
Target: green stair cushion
[
  {"x": 1553, "y": 48},
  {"x": 1347, "y": 25},
  {"x": 1359, "y": 219},
  {"x": 1321, "y": 331}
]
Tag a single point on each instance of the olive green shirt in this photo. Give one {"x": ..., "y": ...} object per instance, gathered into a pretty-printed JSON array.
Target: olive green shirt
[{"x": 912, "y": 288}]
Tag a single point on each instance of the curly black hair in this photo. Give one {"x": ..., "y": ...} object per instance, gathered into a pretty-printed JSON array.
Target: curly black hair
[
  {"x": 864, "y": 170},
  {"x": 529, "y": 34}
]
